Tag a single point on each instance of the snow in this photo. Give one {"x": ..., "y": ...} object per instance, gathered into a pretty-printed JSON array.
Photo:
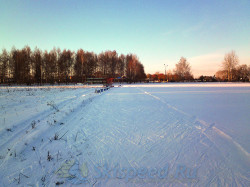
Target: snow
[{"x": 186, "y": 134}]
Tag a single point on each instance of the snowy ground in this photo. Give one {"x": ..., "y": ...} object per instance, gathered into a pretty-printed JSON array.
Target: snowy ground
[{"x": 134, "y": 135}]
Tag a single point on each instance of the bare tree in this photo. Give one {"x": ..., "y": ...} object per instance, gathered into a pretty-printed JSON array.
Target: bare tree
[
  {"x": 4, "y": 64},
  {"x": 121, "y": 65},
  {"x": 221, "y": 75},
  {"x": 50, "y": 66},
  {"x": 183, "y": 70},
  {"x": 242, "y": 73},
  {"x": 90, "y": 63},
  {"x": 78, "y": 66},
  {"x": 134, "y": 68},
  {"x": 131, "y": 61},
  {"x": 108, "y": 63},
  {"x": 113, "y": 63},
  {"x": 231, "y": 60},
  {"x": 36, "y": 59},
  {"x": 22, "y": 64},
  {"x": 65, "y": 62},
  {"x": 103, "y": 59}
]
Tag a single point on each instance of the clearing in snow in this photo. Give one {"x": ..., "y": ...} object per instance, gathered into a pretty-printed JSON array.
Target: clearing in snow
[{"x": 133, "y": 135}]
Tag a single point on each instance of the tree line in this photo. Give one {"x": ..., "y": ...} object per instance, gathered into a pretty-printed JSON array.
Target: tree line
[
  {"x": 24, "y": 66},
  {"x": 181, "y": 73},
  {"x": 230, "y": 71}
]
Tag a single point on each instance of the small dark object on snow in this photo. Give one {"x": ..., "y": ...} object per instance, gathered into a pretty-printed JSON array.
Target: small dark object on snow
[
  {"x": 59, "y": 183},
  {"x": 49, "y": 157},
  {"x": 97, "y": 91},
  {"x": 9, "y": 130},
  {"x": 33, "y": 124}
]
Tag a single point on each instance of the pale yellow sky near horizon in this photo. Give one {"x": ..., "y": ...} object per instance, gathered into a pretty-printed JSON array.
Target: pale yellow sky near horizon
[{"x": 207, "y": 64}]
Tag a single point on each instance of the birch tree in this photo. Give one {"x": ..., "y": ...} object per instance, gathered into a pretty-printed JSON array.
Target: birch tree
[{"x": 230, "y": 62}]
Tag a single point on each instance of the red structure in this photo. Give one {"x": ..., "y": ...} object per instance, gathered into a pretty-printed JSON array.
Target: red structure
[{"x": 110, "y": 81}]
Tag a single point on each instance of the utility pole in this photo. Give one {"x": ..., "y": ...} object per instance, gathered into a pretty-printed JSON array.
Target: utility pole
[{"x": 165, "y": 72}]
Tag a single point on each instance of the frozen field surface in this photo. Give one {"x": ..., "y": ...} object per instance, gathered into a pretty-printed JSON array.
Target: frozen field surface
[{"x": 133, "y": 135}]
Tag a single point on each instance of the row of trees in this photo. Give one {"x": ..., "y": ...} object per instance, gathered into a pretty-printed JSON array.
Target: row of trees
[
  {"x": 182, "y": 72},
  {"x": 37, "y": 66},
  {"x": 231, "y": 70},
  {"x": 27, "y": 66}
]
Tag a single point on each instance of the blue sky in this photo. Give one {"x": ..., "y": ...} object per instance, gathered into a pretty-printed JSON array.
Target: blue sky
[{"x": 159, "y": 32}]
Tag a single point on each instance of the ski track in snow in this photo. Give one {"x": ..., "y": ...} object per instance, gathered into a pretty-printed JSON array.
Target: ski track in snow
[
  {"x": 122, "y": 127},
  {"x": 220, "y": 132}
]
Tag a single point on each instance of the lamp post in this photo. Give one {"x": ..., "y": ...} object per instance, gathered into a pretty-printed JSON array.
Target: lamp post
[{"x": 165, "y": 72}]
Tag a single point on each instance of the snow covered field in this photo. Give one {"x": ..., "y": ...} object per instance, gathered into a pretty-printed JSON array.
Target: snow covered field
[{"x": 135, "y": 135}]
